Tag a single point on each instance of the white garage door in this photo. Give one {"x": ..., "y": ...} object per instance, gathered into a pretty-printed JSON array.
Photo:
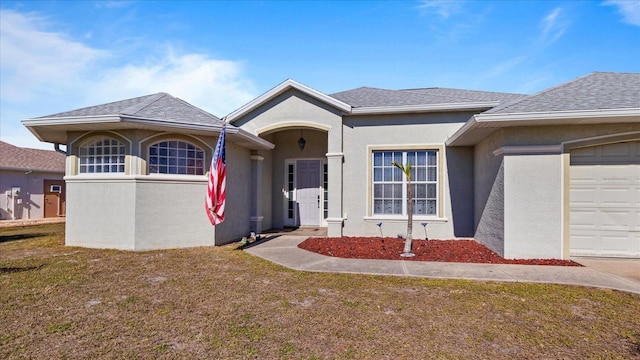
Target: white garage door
[{"x": 605, "y": 200}]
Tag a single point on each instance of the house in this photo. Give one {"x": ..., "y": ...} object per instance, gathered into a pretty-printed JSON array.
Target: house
[
  {"x": 31, "y": 183},
  {"x": 548, "y": 175}
]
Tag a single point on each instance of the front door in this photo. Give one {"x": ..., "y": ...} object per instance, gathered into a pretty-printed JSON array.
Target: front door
[
  {"x": 54, "y": 198},
  {"x": 308, "y": 192}
]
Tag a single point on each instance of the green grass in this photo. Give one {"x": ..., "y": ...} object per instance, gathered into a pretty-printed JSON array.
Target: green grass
[{"x": 61, "y": 302}]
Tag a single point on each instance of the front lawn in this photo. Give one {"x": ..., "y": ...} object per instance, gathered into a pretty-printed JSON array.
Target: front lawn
[{"x": 64, "y": 302}]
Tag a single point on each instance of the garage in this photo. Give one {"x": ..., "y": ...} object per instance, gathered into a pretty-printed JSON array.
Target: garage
[{"x": 604, "y": 200}]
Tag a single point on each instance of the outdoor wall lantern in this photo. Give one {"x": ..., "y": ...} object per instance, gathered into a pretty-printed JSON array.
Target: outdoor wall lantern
[{"x": 301, "y": 142}]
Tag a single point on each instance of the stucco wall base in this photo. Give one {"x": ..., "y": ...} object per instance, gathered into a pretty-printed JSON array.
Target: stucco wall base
[{"x": 130, "y": 213}]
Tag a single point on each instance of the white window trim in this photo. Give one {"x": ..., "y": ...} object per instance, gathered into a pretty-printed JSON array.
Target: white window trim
[
  {"x": 92, "y": 140},
  {"x": 197, "y": 148},
  {"x": 440, "y": 203}
]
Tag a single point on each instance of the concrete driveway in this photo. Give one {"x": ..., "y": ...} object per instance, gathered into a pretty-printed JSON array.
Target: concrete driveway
[{"x": 628, "y": 269}]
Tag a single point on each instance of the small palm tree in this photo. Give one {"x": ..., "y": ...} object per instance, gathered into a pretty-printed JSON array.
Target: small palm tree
[{"x": 406, "y": 170}]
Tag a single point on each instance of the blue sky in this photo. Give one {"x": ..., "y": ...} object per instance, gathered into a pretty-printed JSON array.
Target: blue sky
[{"x": 218, "y": 55}]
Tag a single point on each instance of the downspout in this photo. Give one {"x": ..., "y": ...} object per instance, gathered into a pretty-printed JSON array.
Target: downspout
[{"x": 56, "y": 147}]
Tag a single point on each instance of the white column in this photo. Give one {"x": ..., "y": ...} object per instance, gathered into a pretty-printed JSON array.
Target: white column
[
  {"x": 334, "y": 172},
  {"x": 256, "y": 194}
]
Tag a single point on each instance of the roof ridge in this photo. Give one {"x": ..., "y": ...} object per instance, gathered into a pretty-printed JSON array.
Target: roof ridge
[{"x": 135, "y": 108}]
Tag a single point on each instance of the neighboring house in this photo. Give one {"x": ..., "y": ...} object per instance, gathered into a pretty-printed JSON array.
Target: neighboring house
[
  {"x": 31, "y": 183},
  {"x": 543, "y": 176}
]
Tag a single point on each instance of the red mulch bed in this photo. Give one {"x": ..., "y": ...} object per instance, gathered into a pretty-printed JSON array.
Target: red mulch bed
[{"x": 468, "y": 251}]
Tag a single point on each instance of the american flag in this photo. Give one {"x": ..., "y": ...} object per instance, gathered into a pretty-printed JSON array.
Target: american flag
[{"x": 216, "y": 189}]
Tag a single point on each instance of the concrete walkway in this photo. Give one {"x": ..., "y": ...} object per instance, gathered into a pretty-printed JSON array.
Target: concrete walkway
[
  {"x": 29, "y": 222},
  {"x": 283, "y": 250}
]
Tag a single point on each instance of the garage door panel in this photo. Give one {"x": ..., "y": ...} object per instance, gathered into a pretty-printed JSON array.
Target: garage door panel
[
  {"x": 583, "y": 197},
  {"x": 584, "y": 219},
  {"x": 584, "y": 244},
  {"x": 605, "y": 200},
  {"x": 620, "y": 244},
  {"x": 583, "y": 175},
  {"x": 618, "y": 196},
  {"x": 614, "y": 219}
]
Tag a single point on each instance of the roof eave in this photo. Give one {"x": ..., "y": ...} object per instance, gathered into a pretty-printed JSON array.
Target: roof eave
[
  {"x": 401, "y": 109},
  {"x": 64, "y": 124},
  {"x": 280, "y": 89},
  {"x": 484, "y": 124},
  {"x": 27, "y": 168},
  {"x": 559, "y": 115}
]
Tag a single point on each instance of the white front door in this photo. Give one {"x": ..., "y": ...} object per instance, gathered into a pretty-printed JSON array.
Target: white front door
[{"x": 308, "y": 192}]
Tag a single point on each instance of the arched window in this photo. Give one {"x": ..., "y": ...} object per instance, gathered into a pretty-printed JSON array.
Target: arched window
[
  {"x": 102, "y": 155},
  {"x": 176, "y": 157}
]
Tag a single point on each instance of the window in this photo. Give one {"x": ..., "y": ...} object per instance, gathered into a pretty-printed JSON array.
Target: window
[
  {"x": 291, "y": 204},
  {"x": 325, "y": 185},
  {"x": 390, "y": 184},
  {"x": 176, "y": 157},
  {"x": 103, "y": 155}
]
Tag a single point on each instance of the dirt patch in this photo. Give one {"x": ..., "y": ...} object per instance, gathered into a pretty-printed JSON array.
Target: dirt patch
[{"x": 468, "y": 251}]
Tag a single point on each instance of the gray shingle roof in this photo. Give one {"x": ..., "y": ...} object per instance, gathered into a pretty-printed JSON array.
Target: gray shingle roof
[
  {"x": 14, "y": 157},
  {"x": 596, "y": 91},
  {"x": 373, "y": 97},
  {"x": 160, "y": 106}
]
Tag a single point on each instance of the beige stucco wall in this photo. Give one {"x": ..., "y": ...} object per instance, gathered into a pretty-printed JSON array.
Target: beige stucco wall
[
  {"x": 101, "y": 213},
  {"x": 29, "y": 204},
  {"x": 533, "y": 206},
  {"x": 170, "y": 214},
  {"x": 238, "y": 205},
  {"x": 489, "y": 193},
  {"x": 362, "y": 134},
  {"x": 280, "y": 120},
  {"x": 521, "y": 200},
  {"x": 137, "y": 211}
]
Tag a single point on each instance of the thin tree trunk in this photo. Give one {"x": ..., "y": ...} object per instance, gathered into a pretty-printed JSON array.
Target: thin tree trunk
[{"x": 407, "y": 242}]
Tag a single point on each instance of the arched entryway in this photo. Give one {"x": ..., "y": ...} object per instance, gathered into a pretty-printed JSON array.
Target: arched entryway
[{"x": 299, "y": 175}]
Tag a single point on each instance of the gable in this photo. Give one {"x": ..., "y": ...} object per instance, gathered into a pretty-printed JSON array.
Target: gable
[{"x": 291, "y": 108}]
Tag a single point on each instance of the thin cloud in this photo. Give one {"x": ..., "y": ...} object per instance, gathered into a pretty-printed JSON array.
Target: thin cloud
[
  {"x": 553, "y": 26},
  {"x": 217, "y": 86},
  {"x": 112, "y": 4},
  {"x": 36, "y": 59},
  {"x": 443, "y": 8},
  {"x": 44, "y": 72},
  {"x": 629, "y": 9}
]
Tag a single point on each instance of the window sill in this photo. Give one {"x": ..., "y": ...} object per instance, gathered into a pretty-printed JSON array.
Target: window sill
[
  {"x": 400, "y": 219},
  {"x": 115, "y": 177}
]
